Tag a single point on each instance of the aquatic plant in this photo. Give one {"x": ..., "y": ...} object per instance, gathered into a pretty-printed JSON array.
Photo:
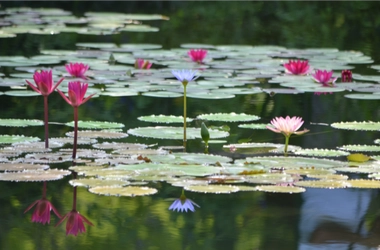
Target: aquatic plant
[
  {"x": 77, "y": 91},
  {"x": 197, "y": 55},
  {"x": 185, "y": 76},
  {"x": 287, "y": 126},
  {"x": 142, "y": 64},
  {"x": 297, "y": 67},
  {"x": 44, "y": 85},
  {"x": 77, "y": 69},
  {"x": 346, "y": 75},
  {"x": 324, "y": 77}
]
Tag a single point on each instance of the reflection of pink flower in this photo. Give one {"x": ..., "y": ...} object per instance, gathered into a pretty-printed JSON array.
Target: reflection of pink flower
[
  {"x": 43, "y": 82},
  {"x": 197, "y": 55},
  {"x": 324, "y": 93},
  {"x": 41, "y": 213},
  {"x": 287, "y": 126},
  {"x": 324, "y": 77},
  {"x": 297, "y": 67},
  {"x": 141, "y": 64},
  {"x": 346, "y": 75},
  {"x": 77, "y": 69},
  {"x": 74, "y": 223},
  {"x": 77, "y": 90}
]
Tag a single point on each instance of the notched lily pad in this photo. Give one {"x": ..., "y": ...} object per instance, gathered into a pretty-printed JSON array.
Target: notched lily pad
[
  {"x": 28, "y": 176},
  {"x": 164, "y": 119},
  {"x": 321, "y": 152},
  {"x": 330, "y": 184},
  {"x": 20, "y": 123},
  {"x": 14, "y": 167},
  {"x": 107, "y": 134},
  {"x": 280, "y": 189},
  {"x": 363, "y": 148},
  {"x": 93, "y": 182},
  {"x": 8, "y": 139},
  {"x": 215, "y": 189},
  {"x": 231, "y": 117},
  {"x": 364, "y": 183},
  {"x": 123, "y": 191},
  {"x": 96, "y": 125},
  {"x": 359, "y": 126}
]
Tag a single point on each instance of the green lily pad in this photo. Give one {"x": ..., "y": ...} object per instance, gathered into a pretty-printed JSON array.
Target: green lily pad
[
  {"x": 210, "y": 95},
  {"x": 15, "y": 167},
  {"x": 98, "y": 134},
  {"x": 20, "y": 123},
  {"x": 164, "y": 119},
  {"x": 162, "y": 132},
  {"x": 360, "y": 126},
  {"x": 5, "y": 139},
  {"x": 36, "y": 175},
  {"x": 364, "y": 183},
  {"x": 254, "y": 125},
  {"x": 321, "y": 152},
  {"x": 21, "y": 93},
  {"x": 96, "y": 125},
  {"x": 214, "y": 189},
  {"x": 93, "y": 182},
  {"x": 280, "y": 189},
  {"x": 323, "y": 184},
  {"x": 231, "y": 117},
  {"x": 363, "y": 96},
  {"x": 363, "y": 148},
  {"x": 123, "y": 191}
]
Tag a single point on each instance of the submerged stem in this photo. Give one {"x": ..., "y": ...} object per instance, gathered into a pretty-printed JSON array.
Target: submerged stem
[
  {"x": 46, "y": 121},
  {"x": 184, "y": 116}
]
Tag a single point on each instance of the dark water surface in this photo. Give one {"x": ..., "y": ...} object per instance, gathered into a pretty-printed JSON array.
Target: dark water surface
[{"x": 316, "y": 219}]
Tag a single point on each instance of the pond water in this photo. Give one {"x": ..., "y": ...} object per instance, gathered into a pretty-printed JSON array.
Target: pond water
[{"x": 246, "y": 52}]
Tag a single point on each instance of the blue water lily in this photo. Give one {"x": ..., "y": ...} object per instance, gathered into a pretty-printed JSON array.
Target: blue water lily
[
  {"x": 183, "y": 204},
  {"x": 185, "y": 75}
]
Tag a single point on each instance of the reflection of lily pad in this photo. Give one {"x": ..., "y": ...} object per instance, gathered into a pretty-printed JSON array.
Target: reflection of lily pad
[
  {"x": 361, "y": 126},
  {"x": 123, "y": 191},
  {"x": 96, "y": 125},
  {"x": 280, "y": 189},
  {"x": 20, "y": 123},
  {"x": 164, "y": 119},
  {"x": 4, "y": 139},
  {"x": 215, "y": 189},
  {"x": 162, "y": 132},
  {"x": 231, "y": 117},
  {"x": 48, "y": 175}
]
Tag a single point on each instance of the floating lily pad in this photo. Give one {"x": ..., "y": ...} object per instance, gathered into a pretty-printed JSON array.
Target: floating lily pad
[
  {"x": 360, "y": 126},
  {"x": 202, "y": 158},
  {"x": 210, "y": 95},
  {"x": 166, "y": 94},
  {"x": 96, "y": 125},
  {"x": 98, "y": 134},
  {"x": 364, "y": 183},
  {"x": 48, "y": 175},
  {"x": 20, "y": 123},
  {"x": 14, "y": 167},
  {"x": 358, "y": 158},
  {"x": 21, "y": 93},
  {"x": 328, "y": 176},
  {"x": 259, "y": 148},
  {"x": 280, "y": 189},
  {"x": 176, "y": 133},
  {"x": 269, "y": 178},
  {"x": 360, "y": 170},
  {"x": 215, "y": 189},
  {"x": 363, "y": 96},
  {"x": 123, "y": 191},
  {"x": 363, "y": 148},
  {"x": 92, "y": 182},
  {"x": 231, "y": 117},
  {"x": 330, "y": 184},
  {"x": 164, "y": 119},
  {"x": 120, "y": 145},
  {"x": 321, "y": 152},
  {"x": 254, "y": 126},
  {"x": 5, "y": 139}
]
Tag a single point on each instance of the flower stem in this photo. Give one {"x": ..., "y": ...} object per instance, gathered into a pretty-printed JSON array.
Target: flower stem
[
  {"x": 75, "y": 132},
  {"x": 75, "y": 193},
  {"x": 46, "y": 121},
  {"x": 286, "y": 145},
  {"x": 184, "y": 116}
]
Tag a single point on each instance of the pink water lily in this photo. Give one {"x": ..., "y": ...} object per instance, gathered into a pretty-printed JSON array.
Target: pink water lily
[
  {"x": 297, "y": 67},
  {"x": 77, "y": 91},
  {"x": 346, "y": 75},
  {"x": 75, "y": 223},
  {"x": 287, "y": 126},
  {"x": 324, "y": 77},
  {"x": 44, "y": 82},
  {"x": 77, "y": 69},
  {"x": 142, "y": 64},
  {"x": 197, "y": 55}
]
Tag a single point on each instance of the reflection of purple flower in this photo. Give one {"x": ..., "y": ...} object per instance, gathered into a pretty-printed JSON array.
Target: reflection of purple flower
[
  {"x": 183, "y": 204},
  {"x": 185, "y": 75},
  {"x": 74, "y": 223},
  {"x": 41, "y": 213}
]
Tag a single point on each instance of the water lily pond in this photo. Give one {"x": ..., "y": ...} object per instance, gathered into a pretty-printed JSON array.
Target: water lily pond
[{"x": 281, "y": 149}]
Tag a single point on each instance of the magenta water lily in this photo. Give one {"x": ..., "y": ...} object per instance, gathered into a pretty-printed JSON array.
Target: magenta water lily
[
  {"x": 45, "y": 86},
  {"x": 142, "y": 64},
  {"x": 324, "y": 77},
  {"x": 197, "y": 55},
  {"x": 77, "y": 92},
  {"x": 346, "y": 75},
  {"x": 287, "y": 126},
  {"x": 297, "y": 67},
  {"x": 77, "y": 69},
  {"x": 75, "y": 223}
]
